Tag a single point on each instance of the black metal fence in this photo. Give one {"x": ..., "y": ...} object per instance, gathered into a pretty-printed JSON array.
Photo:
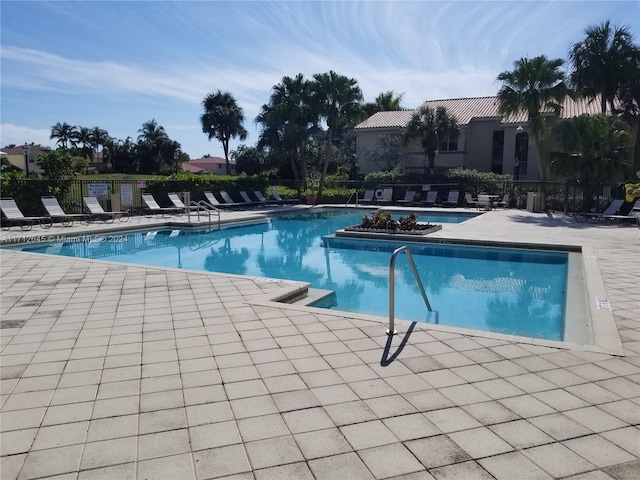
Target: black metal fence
[{"x": 126, "y": 194}]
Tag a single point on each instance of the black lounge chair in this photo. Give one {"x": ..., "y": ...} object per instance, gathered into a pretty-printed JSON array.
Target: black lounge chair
[
  {"x": 15, "y": 217},
  {"x": 55, "y": 211},
  {"x": 98, "y": 213},
  {"x": 610, "y": 211}
]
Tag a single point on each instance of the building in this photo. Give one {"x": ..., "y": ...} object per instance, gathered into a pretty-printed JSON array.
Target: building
[
  {"x": 15, "y": 156},
  {"x": 217, "y": 165},
  {"x": 486, "y": 142}
]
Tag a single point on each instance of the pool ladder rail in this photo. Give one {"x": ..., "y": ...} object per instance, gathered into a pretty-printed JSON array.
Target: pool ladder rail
[
  {"x": 205, "y": 207},
  {"x": 354, "y": 194},
  {"x": 392, "y": 306}
]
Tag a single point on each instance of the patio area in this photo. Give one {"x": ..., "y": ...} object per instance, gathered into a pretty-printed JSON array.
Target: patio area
[{"x": 116, "y": 371}]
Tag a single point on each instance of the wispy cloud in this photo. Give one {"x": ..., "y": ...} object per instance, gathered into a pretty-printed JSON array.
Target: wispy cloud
[{"x": 18, "y": 134}]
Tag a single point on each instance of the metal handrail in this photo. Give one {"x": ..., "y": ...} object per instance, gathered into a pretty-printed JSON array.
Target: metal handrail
[
  {"x": 391, "y": 330},
  {"x": 207, "y": 207},
  {"x": 350, "y": 197}
]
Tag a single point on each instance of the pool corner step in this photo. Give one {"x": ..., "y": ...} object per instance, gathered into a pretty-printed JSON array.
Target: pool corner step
[{"x": 313, "y": 295}]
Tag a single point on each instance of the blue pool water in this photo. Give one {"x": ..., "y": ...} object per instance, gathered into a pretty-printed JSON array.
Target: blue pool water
[{"x": 512, "y": 291}]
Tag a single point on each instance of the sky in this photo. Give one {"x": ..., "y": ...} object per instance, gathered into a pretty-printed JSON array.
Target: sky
[{"x": 119, "y": 64}]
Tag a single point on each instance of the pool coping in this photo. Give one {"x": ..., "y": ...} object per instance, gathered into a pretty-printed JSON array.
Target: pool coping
[{"x": 604, "y": 330}]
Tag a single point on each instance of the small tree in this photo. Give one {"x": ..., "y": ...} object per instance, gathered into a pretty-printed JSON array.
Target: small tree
[
  {"x": 60, "y": 163},
  {"x": 431, "y": 126}
]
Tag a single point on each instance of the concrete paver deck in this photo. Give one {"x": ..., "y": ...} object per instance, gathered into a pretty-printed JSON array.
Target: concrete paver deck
[{"x": 119, "y": 371}]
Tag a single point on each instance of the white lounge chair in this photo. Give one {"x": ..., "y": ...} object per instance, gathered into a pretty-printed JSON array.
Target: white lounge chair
[
  {"x": 55, "y": 211},
  {"x": 154, "y": 209},
  {"x": 15, "y": 217},
  {"x": 229, "y": 201},
  {"x": 178, "y": 203},
  {"x": 280, "y": 200},
  {"x": 247, "y": 199},
  {"x": 504, "y": 203},
  {"x": 98, "y": 213},
  {"x": 484, "y": 202}
]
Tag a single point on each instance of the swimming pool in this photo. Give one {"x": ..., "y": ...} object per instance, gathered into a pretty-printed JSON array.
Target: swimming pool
[{"x": 513, "y": 291}]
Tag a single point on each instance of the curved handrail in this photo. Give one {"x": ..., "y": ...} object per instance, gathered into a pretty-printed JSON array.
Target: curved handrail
[
  {"x": 350, "y": 197},
  {"x": 208, "y": 208},
  {"x": 392, "y": 262}
]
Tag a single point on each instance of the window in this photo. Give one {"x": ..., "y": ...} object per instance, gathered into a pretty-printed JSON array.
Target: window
[
  {"x": 449, "y": 144},
  {"x": 497, "y": 151}
]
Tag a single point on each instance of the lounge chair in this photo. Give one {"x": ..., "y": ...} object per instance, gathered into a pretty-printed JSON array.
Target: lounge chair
[
  {"x": 409, "y": 196},
  {"x": 260, "y": 197},
  {"x": 384, "y": 196},
  {"x": 15, "y": 217},
  {"x": 431, "y": 198},
  {"x": 55, "y": 211},
  {"x": 98, "y": 213},
  {"x": 504, "y": 203},
  {"x": 229, "y": 201},
  {"x": 484, "y": 202},
  {"x": 633, "y": 214},
  {"x": 154, "y": 209},
  {"x": 368, "y": 197},
  {"x": 178, "y": 203},
  {"x": 469, "y": 200},
  {"x": 280, "y": 200},
  {"x": 247, "y": 199},
  {"x": 611, "y": 210},
  {"x": 212, "y": 202},
  {"x": 452, "y": 199}
]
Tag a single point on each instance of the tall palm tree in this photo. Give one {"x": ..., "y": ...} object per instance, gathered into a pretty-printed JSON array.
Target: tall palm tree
[
  {"x": 151, "y": 139},
  {"x": 83, "y": 140},
  {"x": 385, "y": 102},
  {"x": 222, "y": 119},
  {"x": 65, "y": 134},
  {"x": 590, "y": 150},
  {"x": 604, "y": 62},
  {"x": 431, "y": 126},
  {"x": 98, "y": 138},
  {"x": 536, "y": 86},
  {"x": 336, "y": 99},
  {"x": 287, "y": 123}
]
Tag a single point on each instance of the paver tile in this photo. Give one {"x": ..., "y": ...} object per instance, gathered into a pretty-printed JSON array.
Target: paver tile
[
  {"x": 219, "y": 462},
  {"x": 437, "y": 451},
  {"x": 109, "y": 452},
  {"x": 307, "y": 420},
  {"x": 214, "y": 435},
  {"x": 292, "y": 471},
  {"x": 273, "y": 451},
  {"x": 175, "y": 466},
  {"x": 368, "y": 434},
  {"x": 465, "y": 470},
  {"x": 480, "y": 442},
  {"x": 347, "y": 465},
  {"x": 509, "y": 466},
  {"x": 599, "y": 451},
  {"x": 322, "y": 443},
  {"x": 390, "y": 460},
  {"x": 557, "y": 460}
]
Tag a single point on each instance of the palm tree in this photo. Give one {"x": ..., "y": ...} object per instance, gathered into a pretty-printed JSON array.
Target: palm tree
[
  {"x": 222, "y": 119},
  {"x": 431, "y": 126},
  {"x": 98, "y": 137},
  {"x": 83, "y": 139},
  {"x": 287, "y": 122},
  {"x": 590, "y": 150},
  {"x": 385, "y": 102},
  {"x": 604, "y": 62},
  {"x": 337, "y": 99},
  {"x": 535, "y": 86},
  {"x": 65, "y": 134},
  {"x": 150, "y": 142}
]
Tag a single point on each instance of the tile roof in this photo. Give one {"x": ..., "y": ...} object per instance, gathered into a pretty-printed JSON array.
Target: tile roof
[{"x": 467, "y": 109}]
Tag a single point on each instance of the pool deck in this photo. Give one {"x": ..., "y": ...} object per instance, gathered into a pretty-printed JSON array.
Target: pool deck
[{"x": 116, "y": 371}]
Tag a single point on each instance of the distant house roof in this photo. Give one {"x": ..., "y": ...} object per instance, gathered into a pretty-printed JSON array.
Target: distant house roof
[
  {"x": 206, "y": 165},
  {"x": 467, "y": 109},
  {"x": 33, "y": 150}
]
